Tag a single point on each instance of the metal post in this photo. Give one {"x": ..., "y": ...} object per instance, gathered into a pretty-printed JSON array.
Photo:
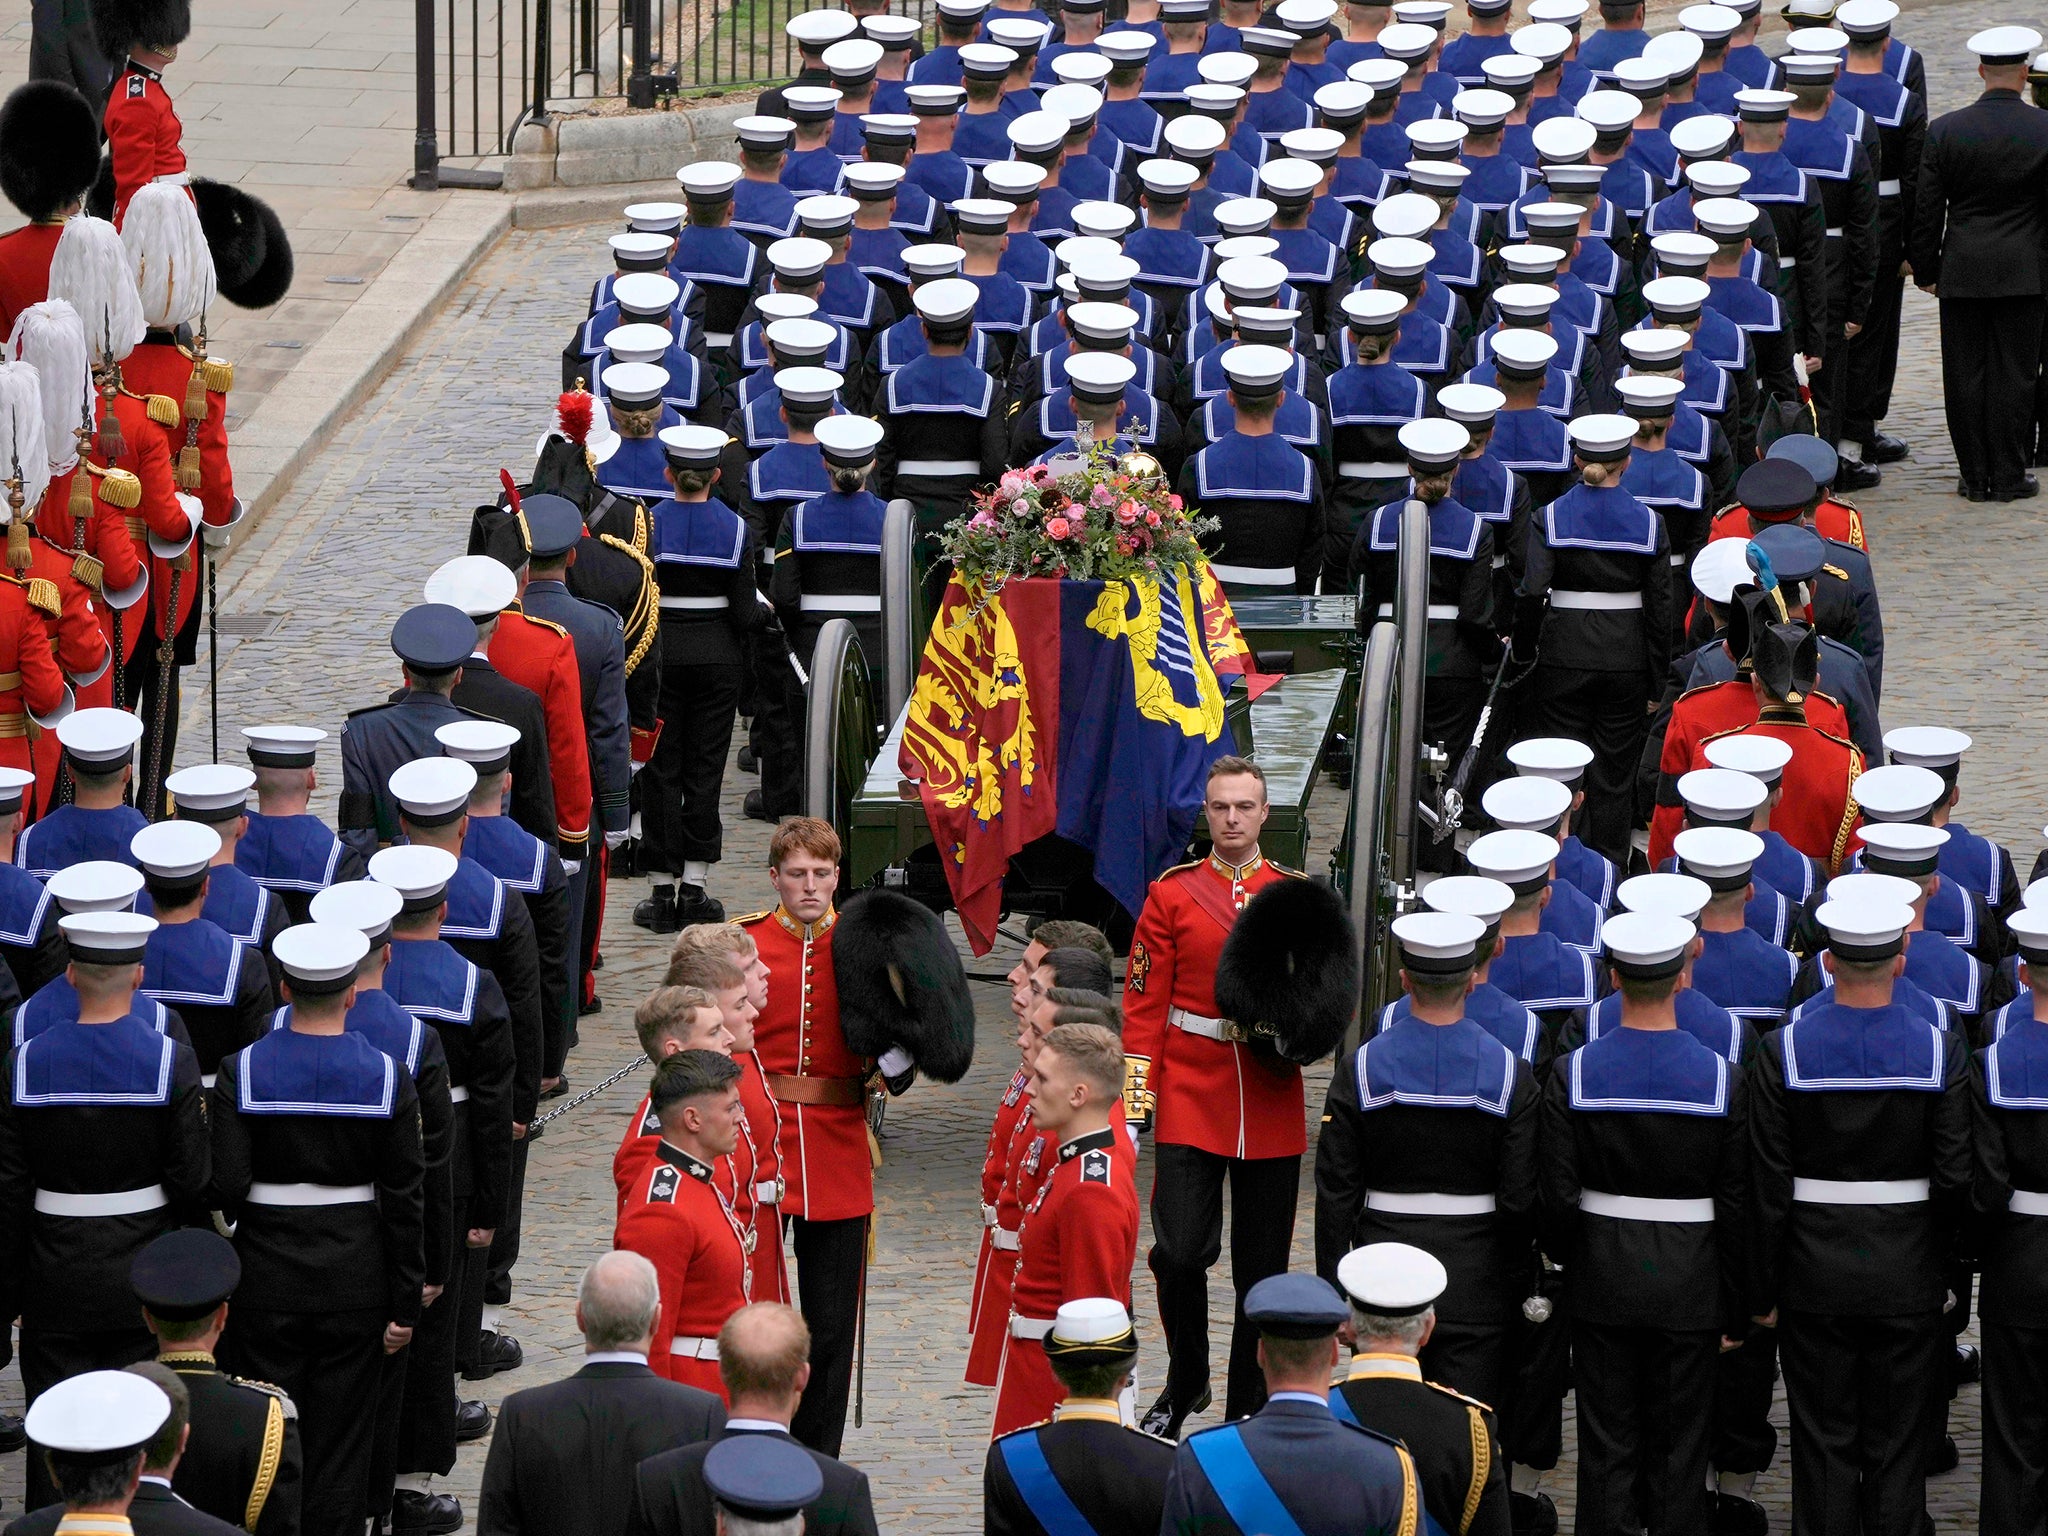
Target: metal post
[
  {"x": 426, "y": 154},
  {"x": 640, "y": 84}
]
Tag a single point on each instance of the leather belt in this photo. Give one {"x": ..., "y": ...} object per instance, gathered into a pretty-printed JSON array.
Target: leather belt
[
  {"x": 1207, "y": 1028},
  {"x": 1003, "y": 1240},
  {"x": 9, "y": 681},
  {"x": 693, "y": 1349},
  {"x": 1254, "y": 575},
  {"x": 1889, "y": 188},
  {"x": 795, "y": 1088},
  {"x": 1380, "y": 470},
  {"x": 695, "y": 604},
  {"x": 458, "y": 1095},
  {"x": 311, "y": 1194},
  {"x": 939, "y": 467},
  {"x": 768, "y": 1192},
  {"x": 1402, "y": 1204},
  {"x": 118, "y": 1202},
  {"x": 1644, "y": 1207},
  {"x": 172, "y": 179},
  {"x": 840, "y": 602},
  {"x": 2028, "y": 1202},
  {"x": 1436, "y": 610},
  {"x": 1597, "y": 602},
  {"x": 1860, "y": 1191},
  {"x": 1029, "y": 1327}
]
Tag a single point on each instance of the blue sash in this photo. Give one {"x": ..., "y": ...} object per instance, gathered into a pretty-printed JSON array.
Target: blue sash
[
  {"x": 1240, "y": 1487},
  {"x": 1340, "y": 1408},
  {"x": 1039, "y": 1488}
]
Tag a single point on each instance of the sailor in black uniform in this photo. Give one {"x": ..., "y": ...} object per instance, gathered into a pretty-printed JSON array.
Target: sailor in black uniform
[
  {"x": 1266, "y": 496},
  {"x": 1025, "y": 256},
  {"x": 218, "y": 984},
  {"x": 704, "y": 563},
  {"x": 31, "y": 944},
  {"x": 643, "y": 335},
  {"x": 1527, "y": 439},
  {"x": 1741, "y": 281},
  {"x": 1660, "y": 478},
  {"x": 1554, "y": 980},
  {"x": 1535, "y": 802},
  {"x": 1084, "y": 1461},
  {"x": 242, "y": 1463},
  {"x": 99, "y": 748},
  {"x": 1372, "y": 398},
  {"x": 905, "y": 339},
  {"x": 944, "y": 421},
  {"x": 1300, "y": 417},
  {"x": 1438, "y": 1118},
  {"x": 103, "y": 1147},
  {"x": 763, "y": 209},
  {"x": 216, "y": 795},
  {"x": 284, "y": 847},
  {"x": 719, "y": 259},
  {"x": 1793, "y": 201},
  {"x": 93, "y": 886},
  {"x": 1109, "y": 391},
  {"x": 1171, "y": 261},
  {"x": 1971, "y": 860},
  {"x": 1679, "y": 300},
  {"x": 1861, "y": 1122},
  {"x": 319, "y": 1162},
  {"x": 1393, "y": 1289},
  {"x": 1507, "y": 1020},
  {"x": 1645, "y": 1177},
  {"x": 1737, "y": 968}
]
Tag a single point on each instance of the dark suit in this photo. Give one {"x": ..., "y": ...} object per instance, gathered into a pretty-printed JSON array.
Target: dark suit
[
  {"x": 562, "y": 1456},
  {"x": 670, "y": 1499},
  {"x": 238, "y": 1428},
  {"x": 1980, "y": 231},
  {"x": 156, "y": 1511},
  {"x": 1115, "y": 1476}
]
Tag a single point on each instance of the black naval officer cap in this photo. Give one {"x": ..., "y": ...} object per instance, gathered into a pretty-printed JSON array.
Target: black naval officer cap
[
  {"x": 762, "y": 1477},
  {"x": 1795, "y": 551},
  {"x": 1296, "y": 1307},
  {"x": 1776, "y": 489},
  {"x": 433, "y": 637},
  {"x": 554, "y": 526},
  {"x": 185, "y": 1275}
]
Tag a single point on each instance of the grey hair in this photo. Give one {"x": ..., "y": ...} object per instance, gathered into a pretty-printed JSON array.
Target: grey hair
[
  {"x": 1404, "y": 1332},
  {"x": 618, "y": 1296},
  {"x": 731, "y": 1524}
]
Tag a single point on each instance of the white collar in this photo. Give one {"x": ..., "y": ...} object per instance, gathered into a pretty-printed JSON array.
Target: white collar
[
  {"x": 1320, "y": 1399},
  {"x": 769, "y": 1425},
  {"x": 151, "y": 1477},
  {"x": 615, "y": 1357}
]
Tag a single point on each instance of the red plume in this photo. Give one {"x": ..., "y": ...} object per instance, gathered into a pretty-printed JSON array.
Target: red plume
[
  {"x": 511, "y": 490},
  {"x": 574, "y": 410}
]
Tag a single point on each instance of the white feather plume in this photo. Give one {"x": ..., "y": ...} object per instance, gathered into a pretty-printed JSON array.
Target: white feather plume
[
  {"x": 21, "y": 431},
  {"x": 50, "y": 339},
  {"x": 90, "y": 272},
  {"x": 168, "y": 255}
]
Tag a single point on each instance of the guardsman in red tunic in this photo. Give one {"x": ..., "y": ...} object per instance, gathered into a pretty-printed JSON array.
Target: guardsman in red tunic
[
  {"x": 671, "y": 1019},
  {"x": 49, "y": 154},
  {"x": 679, "y": 1220},
  {"x": 1218, "y": 1106},
  {"x": 1080, "y": 1235},
  {"x": 143, "y": 133},
  {"x": 540, "y": 656}
]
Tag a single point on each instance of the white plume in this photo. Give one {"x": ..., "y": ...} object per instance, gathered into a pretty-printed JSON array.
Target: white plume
[
  {"x": 21, "y": 431},
  {"x": 50, "y": 339},
  {"x": 90, "y": 272},
  {"x": 168, "y": 255}
]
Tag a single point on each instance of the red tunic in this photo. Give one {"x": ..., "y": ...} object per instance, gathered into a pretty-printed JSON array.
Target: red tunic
[
  {"x": 143, "y": 134},
  {"x": 107, "y": 536},
  {"x": 1080, "y": 1238},
  {"x": 1011, "y": 1109},
  {"x": 539, "y": 655},
  {"x": 29, "y": 678},
  {"x": 677, "y": 1219},
  {"x": 1720, "y": 709},
  {"x": 161, "y": 367},
  {"x": 1816, "y": 810},
  {"x": 828, "y": 1169},
  {"x": 1027, "y": 1162},
  {"x": 25, "y": 269},
  {"x": 1219, "y": 1095},
  {"x": 76, "y": 641},
  {"x": 1832, "y": 519}
]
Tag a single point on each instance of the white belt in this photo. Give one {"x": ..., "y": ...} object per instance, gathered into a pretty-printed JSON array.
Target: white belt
[
  {"x": 173, "y": 179},
  {"x": 1787, "y": 261},
  {"x": 1860, "y": 1191},
  {"x": 693, "y": 1349},
  {"x": 840, "y": 602},
  {"x": 1197, "y": 1024},
  {"x": 1835, "y": 233},
  {"x": 2028, "y": 1202},
  {"x": 1888, "y": 188},
  {"x": 1644, "y": 1208},
  {"x": 768, "y": 1192},
  {"x": 119, "y": 1202},
  {"x": 1003, "y": 1240},
  {"x": 206, "y": 1079},
  {"x": 1254, "y": 575},
  {"x": 1500, "y": 562},
  {"x": 1678, "y": 559},
  {"x": 1598, "y": 602},
  {"x": 1428, "y": 1204},
  {"x": 718, "y": 338},
  {"x": 1029, "y": 1327},
  {"x": 695, "y": 604},
  {"x": 311, "y": 1194},
  {"x": 988, "y": 1215},
  {"x": 1436, "y": 610},
  {"x": 458, "y": 1095},
  {"x": 1357, "y": 471},
  {"x": 939, "y": 467}
]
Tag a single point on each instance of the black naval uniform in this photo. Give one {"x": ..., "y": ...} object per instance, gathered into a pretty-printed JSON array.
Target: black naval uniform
[
  {"x": 1980, "y": 237},
  {"x": 92, "y": 1116},
  {"x": 219, "y": 987},
  {"x": 31, "y": 944},
  {"x": 1083, "y": 1458},
  {"x": 1269, "y": 501},
  {"x": 945, "y": 432},
  {"x": 1842, "y": 172},
  {"x": 523, "y": 863},
  {"x": 1873, "y": 353},
  {"x": 1451, "y": 1436},
  {"x": 157, "y": 1510},
  {"x": 243, "y": 1463},
  {"x": 319, "y": 1161}
]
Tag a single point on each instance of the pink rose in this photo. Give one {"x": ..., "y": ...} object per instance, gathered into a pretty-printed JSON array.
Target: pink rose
[
  {"x": 1127, "y": 513},
  {"x": 1102, "y": 496},
  {"x": 1174, "y": 502},
  {"x": 1013, "y": 479},
  {"x": 1059, "y": 528},
  {"x": 1151, "y": 519}
]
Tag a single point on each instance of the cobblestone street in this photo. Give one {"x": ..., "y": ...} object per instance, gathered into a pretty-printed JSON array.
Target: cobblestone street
[{"x": 347, "y": 549}]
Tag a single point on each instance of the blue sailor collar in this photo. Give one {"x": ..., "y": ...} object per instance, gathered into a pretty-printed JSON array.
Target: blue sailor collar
[
  {"x": 1423, "y": 345},
  {"x": 192, "y": 963},
  {"x": 1820, "y": 149},
  {"x": 1687, "y": 436},
  {"x": 1699, "y": 1016},
  {"x": 1592, "y": 873},
  {"x": 293, "y": 853},
  {"x": 1672, "y": 215},
  {"x": 723, "y": 258},
  {"x": 941, "y": 385},
  {"x": 1642, "y": 1071},
  {"x": 1773, "y": 178},
  {"x": 1308, "y": 257},
  {"x": 1138, "y": 420},
  {"x": 476, "y": 903},
  {"x": 1600, "y": 517},
  {"x": 2016, "y": 1067},
  {"x": 1973, "y": 861},
  {"x": 1934, "y": 962},
  {"x": 698, "y": 533},
  {"x": 1457, "y": 260},
  {"x": 1453, "y": 529},
  {"x": 1598, "y": 267},
  {"x": 1210, "y": 379},
  {"x": 1493, "y": 1010},
  {"x": 1495, "y": 182},
  {"x": 1542, "y": 972},
  {"x": 376, "y": 1016},
  {"x": 508, "y": 851},
  {"x": 1906, "y": 993},
  {"x": 838, "y": 523},
  {"x": 120, "y": 1064},
  {"x": 634, "y": 470},
  {"x": 1745, "y": 973},
  {"x": 789, "y": 472},
  {"x": 72, "y": 834},
  {"x": 286, "y": 1073},
  {"x": 24, "y": 901},
  {"x": 1297, "y": 419},
  {"x": 1883, "y": 97},
  {"x": 1253, "y": 468},
  {"x": 1172, "y": 258},
  {"x": 234, "y": 901},
  {"x": 56, "y": 1002},
  {"x": 1662, "y": 478},
  {"x": 1840, "y": 1049},
  {"x": 1748, "y": 305},
  {"x": 1436, "y": 1066},
  {"x": 1531, "y": 441},
  {"x": 429, "y": 979},
  {"x": 1485, "y": 485},
  {"x": 914, "y": 211},
  {"x": 1030, "y": 261},
  {"x": 2017, "y": 1012},
  {"x": 1784, "y": 868},
  {"x": 847, "y": 297}
]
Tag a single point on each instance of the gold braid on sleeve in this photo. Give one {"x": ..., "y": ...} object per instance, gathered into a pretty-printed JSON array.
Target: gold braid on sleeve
[{"x": 266, "y": 1467}]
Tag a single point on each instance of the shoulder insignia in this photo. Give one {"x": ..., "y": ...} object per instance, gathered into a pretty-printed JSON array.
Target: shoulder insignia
[
  {"x": 138, "y": 87},
  {"x": 291, "y": 1409},
  {"x": 44, "y": 597},
  {"x": 117, "y": 487},
  {"x": 662, "y": 1186},
  {"x": 752, "y": 917},
  {"x": 543, "y": 623},
  {"x": 1292, "y": 874},
  {"x": 1835, "y": 571},
  {"x": 640, "y": 528},
  {"x": 1739, "y": 677},
  {"x": 367, "y": 709},
  {"x": 1015, "y": 407},
  {"x": 1469, "y": 1402},
  {"x": 163, "y": 410},
  {"x": 1137, "y": 968},
  {"x": 1095, "y": 1167},
  {"x": 1855, "y": 525},
  {"x": 1180, "y": 869},
  {"x": 650, "y": 1124}
]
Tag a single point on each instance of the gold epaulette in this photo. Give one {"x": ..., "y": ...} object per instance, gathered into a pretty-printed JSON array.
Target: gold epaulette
[
  {"x": 268, "y": 1389},
  {"x": 44, "y": 597},
  {"x": 751, "y": 917},
  {"x": 1176, "y": 869},
  {"x": 543, "y": 623},
  {"x": 117, "y": 487},
  {"x": 1835, "y": 571},
  {"x": 1470, "y": 1402},
  {"x": 217, "y": 373},
  {"x": 1739, "y": 677},
  {"x": 89, "y": 572},
  {"x": 161, "y": 409},
  {"x": 642, "y": 525},
  {"x": 1292, "y": 874}
]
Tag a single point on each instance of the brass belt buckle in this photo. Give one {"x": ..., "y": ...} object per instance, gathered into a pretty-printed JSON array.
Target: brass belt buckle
[{"x": 1234, "y": 1032}]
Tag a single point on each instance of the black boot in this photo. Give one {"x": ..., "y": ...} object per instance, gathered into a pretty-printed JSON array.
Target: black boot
[
  {"x": 1532, "y": 1514},
  {"x": 657, "y": 914},
  {"x": 694, "y": 907},
  {"x": 756, "y": 807},
  {"x": 1857, "y": 476},
  {"x": 1164, "y": 1419},
  {"x": 496, "y": 1351},
  {"x": 424, "y": 1514},
  {"x": 1883, "y": 448}
]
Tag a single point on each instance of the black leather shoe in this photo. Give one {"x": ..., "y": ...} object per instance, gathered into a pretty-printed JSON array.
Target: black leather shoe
[
  {"x": 1886, "y": 449},
  {"x": 1853, "y": 476},
  {"x": 1944, "y": 1457},
  {"x": 1532, "y": 1514},
  {"x": 694, "y": 907},
  {"x": 12, "y": 1436},
  {"x": 749, "y": 763},
  {"x": 425, "y": 1514},
  {"x": 1963, "y": 490},
  {"x": 1733, "y": 1515},
  {"x": 595, "y": 1005},
  {"x": 2026, "y": 490},
  {"x": 472, "y": 1421},
  {"x": 1164, "y": 1420},
  {"x": 757, "y": 808},
  {"x": 495, "y": 1352},
  {"x": 657, "y": 914},
  {"x": 1969, "y": 1366}
]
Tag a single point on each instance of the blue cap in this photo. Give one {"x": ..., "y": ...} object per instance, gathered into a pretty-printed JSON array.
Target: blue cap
[
  {"x": 763, "y": 1477},
  {"x": 553, "y": 525},
  {"x": 1795, "y": 550},
  {"x": 1776, "y": 488},
  {"x": 185, "y": 1274},
  {"x": 1296, "y": 1307},
  {"x": 434, "y": 637},
  {"x": 1810, "y": 454}
]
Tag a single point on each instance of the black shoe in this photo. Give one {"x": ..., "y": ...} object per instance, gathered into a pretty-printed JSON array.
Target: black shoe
[
  {"x": 694, "y": 907},
  {"x": 1855, "y": 476},
  {"x": 496, "y": 1352},
  {"x": 472, "y": 1421},
  {"x": 1944, "y": 1457},
  {"x": 1886, "y": 449},
  {"x": 1532, "y": 1514},
  {"x": 657, "y": 914},
  {"x": 1963, "y": 489},
  {"x": 1733, "y": 1515},
  {"x": 749, "y": 763},
  {"x": 757, "y": 808},
  {"x": 595, "y": 1005},
  {"x": 12, "y": 1435},
  {"x": 425, "y": 1514},
  {"x": 1164, "y": 1420},
  {"x": 1969, "y": 1366},
  {"x": 2026, "y": 490}
]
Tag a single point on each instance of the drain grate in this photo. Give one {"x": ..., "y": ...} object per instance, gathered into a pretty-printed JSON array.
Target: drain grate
[{"x": 250, "y": 626}]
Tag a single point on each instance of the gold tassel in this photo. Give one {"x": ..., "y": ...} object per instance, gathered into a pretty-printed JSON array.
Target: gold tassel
[
  {"x": 220, "y": 375},
  {"x": 195, "y": 395},
  {"x": 90, "y": 573},
  {"x": 18, "y": 556},
  {"x": 80, "y": 503},
  {"x": 120, "y": 489},
  {"x": 188, "y": 468},
  {"x": 163, "y": 410},
  {"x": 112, "y": 445},
  {"x": 182, "y": 561},
  {"x": 43, "y": 595}
]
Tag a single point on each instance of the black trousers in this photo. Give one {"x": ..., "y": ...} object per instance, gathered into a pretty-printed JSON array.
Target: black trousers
[
  {"x": 1873, "y": 352},
  {"x": 1187, "y": 1239},
  {"x": 332, "y": 1366},
  {"x": 679, "y": 809},
  {"x": 49, "y": 1355},
  {"x": 1539, "y": 1361},
  {"x": 2014, "y": 1496},
  {"x": 778, "y": 736},
  {"x": 1645, "y": 1411},
  {"x": 1990, "y": 361},
  {"x": 1607, "y": 711},
  {"x": 1744, "y": 1438},
  {"x": 829, "y": 1275},
  {"x": 1829, "y": 388},
  {"x": 1861, "y": 1391},
  {"x": 497, "y": 1285}
]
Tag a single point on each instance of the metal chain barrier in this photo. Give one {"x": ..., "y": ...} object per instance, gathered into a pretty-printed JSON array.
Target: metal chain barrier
[{"x": 589, "y": 1093}]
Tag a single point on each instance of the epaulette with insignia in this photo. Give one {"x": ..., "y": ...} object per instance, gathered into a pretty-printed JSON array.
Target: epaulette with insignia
[
  {"x": 1180, "y": 869},
  {"x": 543, "y": 623},
  {"x": 662, "y": 1185},
  {"x": 1835, "y": 571},
  {"x": 291, "y": 1409},
  {"x": 367, "y": 709},
  {"x": 1279, "y": 868},
  {"x": 44, "y": 597},
  {"x": 752, "y": 917},
  {"x": 1470, "y": 1402},
  {"x": 1740, "y": 677},
  {"x": 1095, "y": 1167}
]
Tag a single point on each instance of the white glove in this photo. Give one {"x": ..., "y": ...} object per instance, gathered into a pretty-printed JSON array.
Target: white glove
[
  {"x": 895, "y": 1061},
  {"x": 613, "y": 839},
  {"x": 572, "y": 867},
  {"x": 216, "y": 536}
]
